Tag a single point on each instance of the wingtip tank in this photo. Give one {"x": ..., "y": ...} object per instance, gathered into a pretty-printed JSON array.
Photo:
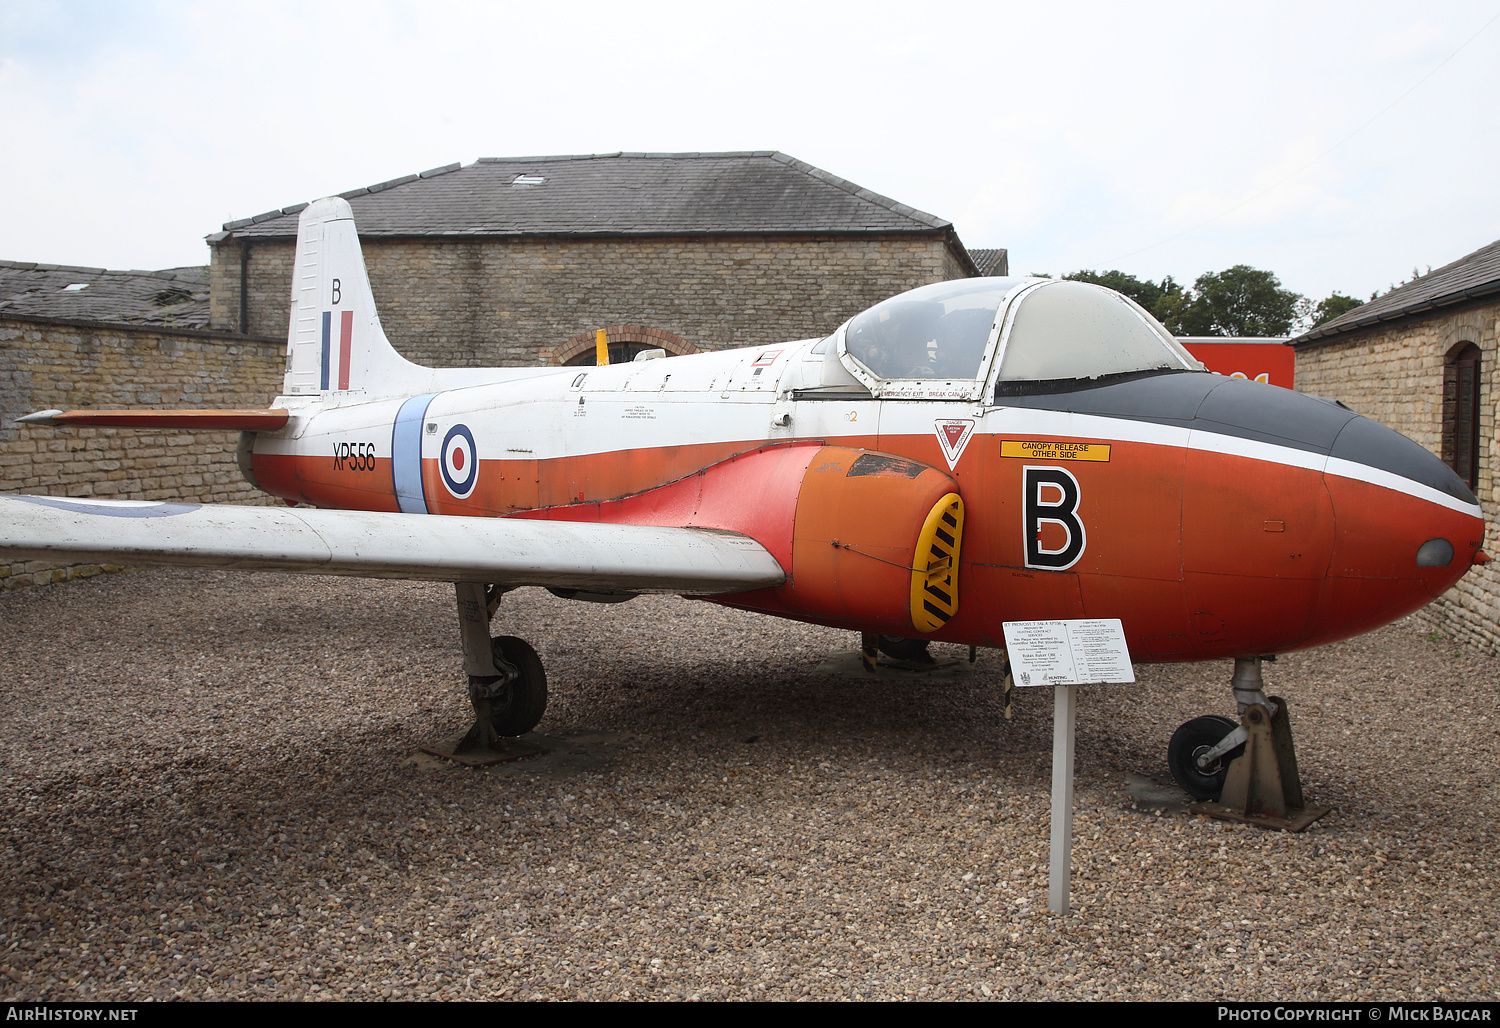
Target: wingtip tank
[{"x": 41, "y": 417}]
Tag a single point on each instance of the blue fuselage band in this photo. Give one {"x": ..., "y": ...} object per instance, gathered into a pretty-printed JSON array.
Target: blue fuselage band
[
  {"x": 327, "y": 347},
  {"x": 406, "y": 454}
]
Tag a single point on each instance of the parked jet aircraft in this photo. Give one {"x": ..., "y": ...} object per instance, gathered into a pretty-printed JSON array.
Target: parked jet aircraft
[{"x": 962, "y": 455}]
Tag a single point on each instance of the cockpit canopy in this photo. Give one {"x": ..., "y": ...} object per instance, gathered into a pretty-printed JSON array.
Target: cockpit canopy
[
  {"x": 934, "y": 340},
  {"x": 937, "y": 331}
]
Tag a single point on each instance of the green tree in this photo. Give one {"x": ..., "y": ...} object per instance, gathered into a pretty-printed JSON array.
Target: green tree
[
  {"x": 1181, "y": 317},
  {"x": 1158, "y": 298},
  {"x": 1239, "y": 301},
  {"x": 1335, "y": 306}
]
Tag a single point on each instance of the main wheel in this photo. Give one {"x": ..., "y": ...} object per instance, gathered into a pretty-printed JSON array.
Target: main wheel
[
  {"x": 1199, "y": 736},
  {"x": 526, "y": 698},
  {"x": 901, "y": 648}
]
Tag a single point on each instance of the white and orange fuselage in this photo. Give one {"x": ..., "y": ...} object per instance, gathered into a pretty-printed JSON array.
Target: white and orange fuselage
[{"x": 1213, "y": 517}]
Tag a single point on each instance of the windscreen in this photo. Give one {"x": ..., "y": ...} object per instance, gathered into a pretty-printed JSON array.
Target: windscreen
[
  {"x": 935, "y": 332},
  {"x": 1073, "y": 330}
]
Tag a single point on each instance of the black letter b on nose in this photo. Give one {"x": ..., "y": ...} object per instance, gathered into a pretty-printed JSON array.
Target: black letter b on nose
[{"x": 1063, "y": 512}]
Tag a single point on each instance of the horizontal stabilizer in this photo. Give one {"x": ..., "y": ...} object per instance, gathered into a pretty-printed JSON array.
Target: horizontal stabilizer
[
  {"x": 227, "y": 420},
  {"x": 503, "y": 551}
]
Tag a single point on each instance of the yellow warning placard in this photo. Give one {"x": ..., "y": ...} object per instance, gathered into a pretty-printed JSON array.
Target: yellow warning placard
[{"x": 1037, "y": 449}]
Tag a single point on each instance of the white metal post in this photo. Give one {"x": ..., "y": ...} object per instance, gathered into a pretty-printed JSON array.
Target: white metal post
[{"x": 1060, "y": 871}]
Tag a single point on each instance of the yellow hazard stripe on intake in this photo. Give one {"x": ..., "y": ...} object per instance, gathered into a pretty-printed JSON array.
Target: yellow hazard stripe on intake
[{"x": 934, "y": 566}]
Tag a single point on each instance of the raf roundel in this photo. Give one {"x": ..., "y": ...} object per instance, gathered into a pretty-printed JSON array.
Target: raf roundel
[{"x": 459, "y": 465}]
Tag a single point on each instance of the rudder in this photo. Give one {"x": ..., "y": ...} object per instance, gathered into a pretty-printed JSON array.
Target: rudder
[{"x": 335, "y": 342}]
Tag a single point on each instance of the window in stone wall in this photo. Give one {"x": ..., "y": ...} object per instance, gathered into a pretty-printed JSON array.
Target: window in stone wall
[{"x": 1461, "y": 412}]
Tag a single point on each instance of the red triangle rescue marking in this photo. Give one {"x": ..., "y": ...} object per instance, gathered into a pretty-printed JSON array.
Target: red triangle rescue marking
[{"x": 953, "y": 436}]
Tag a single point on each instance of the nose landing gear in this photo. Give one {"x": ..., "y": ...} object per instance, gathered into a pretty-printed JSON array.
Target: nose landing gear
[
  {"x": 1193, "y": 741},
  {"x": 1245, "y": 772}
]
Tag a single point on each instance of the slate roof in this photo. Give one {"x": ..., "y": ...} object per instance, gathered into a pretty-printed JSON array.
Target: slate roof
[
  {"x": 759, "y": 192},
  {"x": 1474, "y": 277},
  {"x": 175, "y": 297},
  {"x": 991, "y": 261}
]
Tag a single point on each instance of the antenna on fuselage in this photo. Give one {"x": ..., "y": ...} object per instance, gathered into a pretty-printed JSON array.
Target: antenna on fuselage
[{"x": 601, "y": 348}]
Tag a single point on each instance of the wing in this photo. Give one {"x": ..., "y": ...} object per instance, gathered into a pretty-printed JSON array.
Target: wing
[{"x": 595, "y": 557}]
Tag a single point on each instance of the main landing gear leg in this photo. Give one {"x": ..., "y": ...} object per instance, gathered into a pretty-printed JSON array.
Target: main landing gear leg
[
  {"x": 507, "y": 684},
  {"x": 1246, "y": 773}
]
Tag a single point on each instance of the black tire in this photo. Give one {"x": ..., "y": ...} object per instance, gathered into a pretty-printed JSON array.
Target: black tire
[
  {"x": 900, "y": 648},
  {"x": 525, "y": 700},
  {"x": 1193, "y": 738}
]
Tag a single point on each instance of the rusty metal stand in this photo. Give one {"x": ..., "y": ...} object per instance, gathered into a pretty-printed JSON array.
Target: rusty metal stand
[
  {"x": 502, "y": 751},
  {"x": 1263, "y": 787}
]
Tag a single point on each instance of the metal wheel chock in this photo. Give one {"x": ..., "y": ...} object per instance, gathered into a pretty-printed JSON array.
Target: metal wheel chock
[{"x": 1263, "y": 787}]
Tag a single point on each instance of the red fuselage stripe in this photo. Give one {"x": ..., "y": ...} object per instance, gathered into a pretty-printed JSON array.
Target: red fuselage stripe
[{"x": 346, "y": 344}]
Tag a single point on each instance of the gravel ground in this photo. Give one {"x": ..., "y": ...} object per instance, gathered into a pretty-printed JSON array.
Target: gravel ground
[{"x": 211, "y": 789}]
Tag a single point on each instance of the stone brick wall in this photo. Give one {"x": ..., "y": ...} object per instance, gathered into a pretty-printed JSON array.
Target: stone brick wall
[
  {"x": 267, "y": 271},
  {"x": 477, "y": 303},
  {"x": 45, "y": 364},
  {"x": 952, "y": 268},
  {"x": 1395, "y": 375}
]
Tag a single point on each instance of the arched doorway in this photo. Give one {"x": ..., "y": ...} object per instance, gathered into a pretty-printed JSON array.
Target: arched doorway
[
  {"x": 625, "y": 341},
  {"x": 619, "y": 353}
]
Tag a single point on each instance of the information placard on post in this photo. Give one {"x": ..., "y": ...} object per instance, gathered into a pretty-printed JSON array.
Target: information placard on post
[
  {"x": 1065, "y": 655},
  {"x": 1082, "y": 652}
]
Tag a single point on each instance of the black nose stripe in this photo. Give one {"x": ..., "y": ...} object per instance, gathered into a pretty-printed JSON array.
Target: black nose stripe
[
  {"x": 1368, "y": 442},
  {"x": 1251, "y": 410}
]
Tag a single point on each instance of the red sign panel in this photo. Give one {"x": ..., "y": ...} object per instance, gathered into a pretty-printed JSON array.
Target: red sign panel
[{"x": 1260, "y": 362}]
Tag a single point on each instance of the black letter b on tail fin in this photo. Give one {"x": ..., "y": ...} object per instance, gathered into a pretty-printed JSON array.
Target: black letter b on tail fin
[{"x": 1061, "y": 511}]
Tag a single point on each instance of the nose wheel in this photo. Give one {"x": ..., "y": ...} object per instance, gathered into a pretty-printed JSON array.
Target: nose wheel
[
  {"x": 1193, "y": 741},
  {"x": 1247, "y": 770}
]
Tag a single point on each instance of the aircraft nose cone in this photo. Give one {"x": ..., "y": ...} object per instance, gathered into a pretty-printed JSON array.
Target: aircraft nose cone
[
  {"x": 1404, "y": 527},
  {"x": 1405, "y": 498}
]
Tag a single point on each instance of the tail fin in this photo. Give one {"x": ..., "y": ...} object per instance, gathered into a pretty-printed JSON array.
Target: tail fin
[{"x": 334, "y": 341}]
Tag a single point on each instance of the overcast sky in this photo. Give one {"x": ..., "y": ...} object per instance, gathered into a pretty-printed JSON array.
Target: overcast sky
[{"x": 1156, "y": 138}]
